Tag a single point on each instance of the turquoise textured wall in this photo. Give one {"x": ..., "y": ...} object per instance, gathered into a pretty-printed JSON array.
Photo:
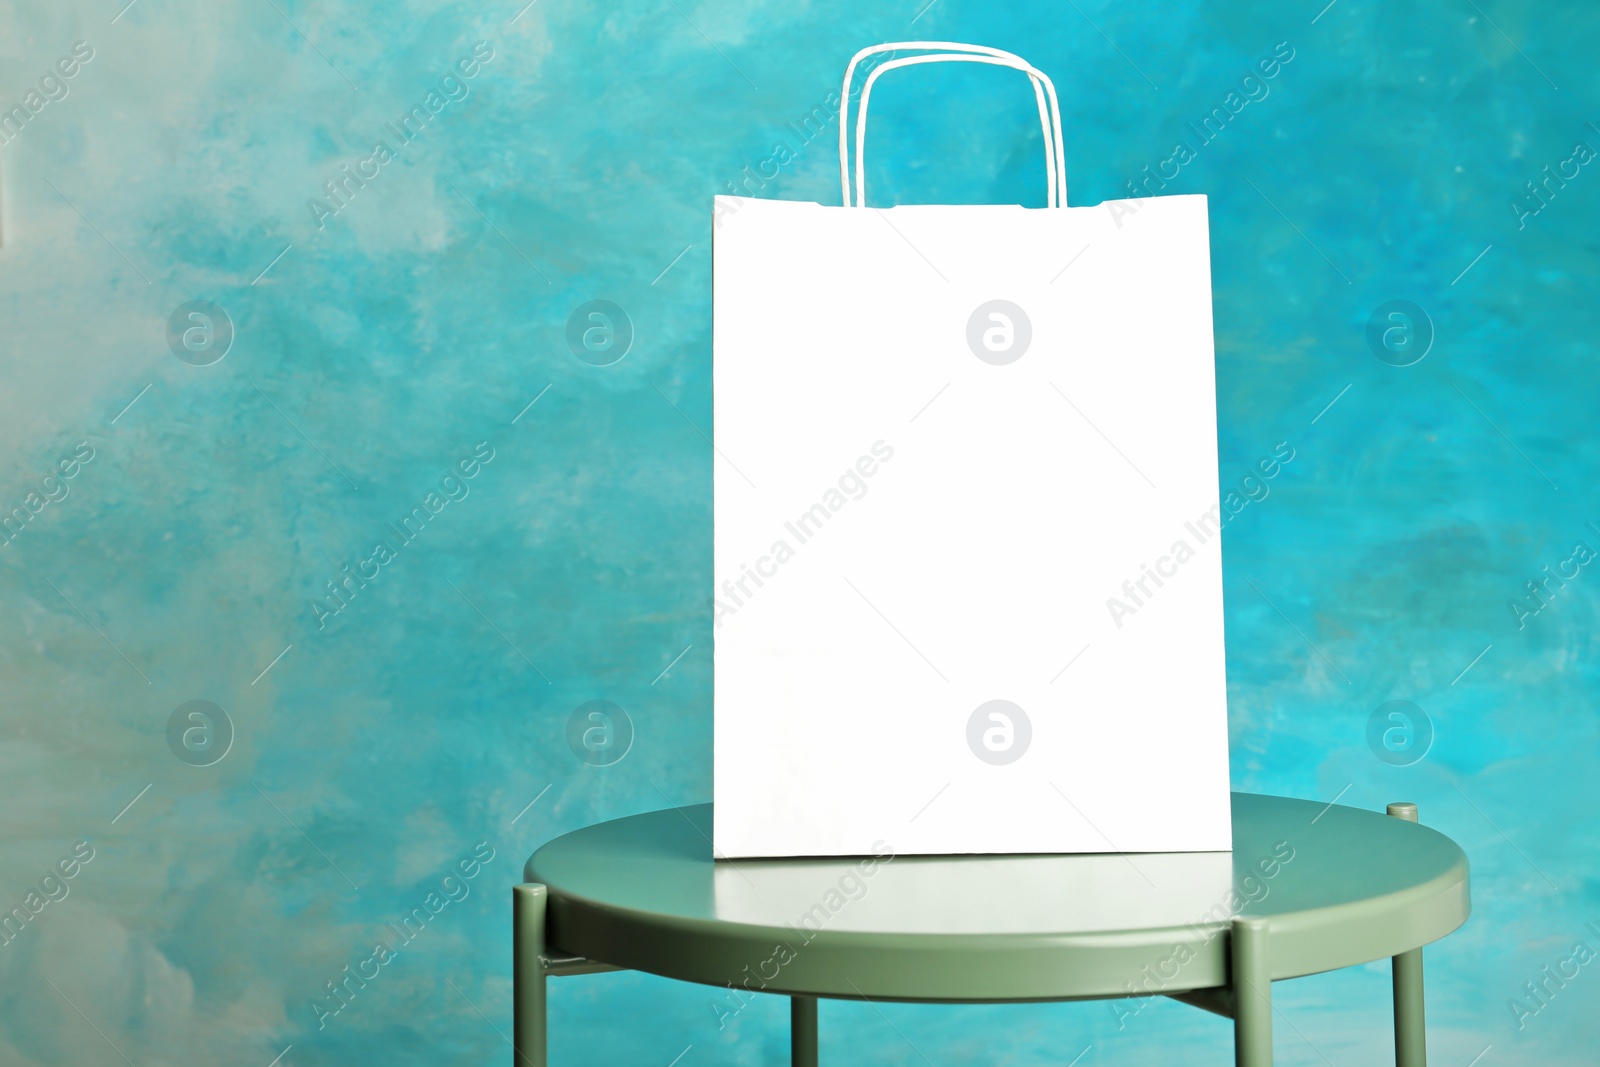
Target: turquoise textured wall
[{"x": 355, "y": 398}]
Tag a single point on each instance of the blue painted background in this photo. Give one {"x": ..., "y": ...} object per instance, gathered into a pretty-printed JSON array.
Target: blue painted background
[{"x": 393, "y": 338}]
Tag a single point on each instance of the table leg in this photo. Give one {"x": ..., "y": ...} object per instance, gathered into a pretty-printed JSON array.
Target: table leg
[
  {"x": 1410, "y": 1035},
  {"x": 1410, "y": 1031},
  {"x": 803, "y": 1031},
  {"x": 1252, "y": 994},
  {"x": 528, "y": 974}
]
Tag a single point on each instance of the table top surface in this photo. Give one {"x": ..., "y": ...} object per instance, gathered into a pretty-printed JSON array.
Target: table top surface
[{"x": 1337, "y": 885}]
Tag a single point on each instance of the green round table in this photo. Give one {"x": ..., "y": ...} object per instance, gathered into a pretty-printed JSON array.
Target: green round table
[{"x": 1308, "y": 888}]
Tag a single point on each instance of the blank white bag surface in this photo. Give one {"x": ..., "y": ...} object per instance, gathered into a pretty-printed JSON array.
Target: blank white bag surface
[{"x": 979, "y": 560}]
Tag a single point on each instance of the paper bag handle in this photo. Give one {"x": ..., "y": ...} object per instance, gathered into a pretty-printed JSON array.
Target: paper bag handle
[{"x": 950, "y": 52}]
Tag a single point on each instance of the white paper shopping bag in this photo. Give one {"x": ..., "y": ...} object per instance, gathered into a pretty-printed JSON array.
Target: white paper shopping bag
[{"x": 968, "y": 577}]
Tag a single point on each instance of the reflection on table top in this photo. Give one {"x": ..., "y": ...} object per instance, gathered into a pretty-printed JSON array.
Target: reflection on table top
[{"x": 1289, "y": 856}]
